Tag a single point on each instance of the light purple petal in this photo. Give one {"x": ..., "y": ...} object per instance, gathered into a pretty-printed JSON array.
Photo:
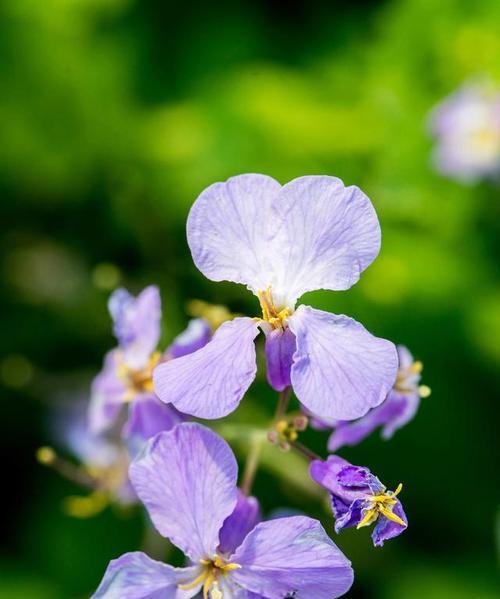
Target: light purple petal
[
  {"x": 244, "y": 518},
  {"x": 280, "y": 347},
  {"x": 137, "y": 576},
  {"x": 292, "y": 555},
  {"x": 352, "y": 433},
  {"x": 137, "y": 324},
  {"x": 340, "y": 370},
  {"x": 197, "y": 334},
  {"x": 327, "y": 234},
  {"x": 107, "y": 395},
  {"x": 386, "y": 529},
  {"x": 147, "y": 417},
  {"x": 186, "y": 479},
  {"x": 404, "y": 407},
  {"x": 227, "y": 230},
  {"x": 211, "y": 382}
]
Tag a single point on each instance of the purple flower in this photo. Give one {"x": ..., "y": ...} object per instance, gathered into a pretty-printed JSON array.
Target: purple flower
[
  {"x": 186, "y": 478},
  {"x": 312, "y": 233},
  {"x": 359, "y": 499},
  {"x": 397, "y": 410},
  {"x": 466, "y": 125},
  {"x": 126, "y": 378},
  {"x": 103, "y": 463}
]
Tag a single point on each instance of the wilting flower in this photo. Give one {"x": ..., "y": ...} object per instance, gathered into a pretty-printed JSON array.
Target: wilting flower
[
  {"x": 103, "y": 463},
  {"x": 126, "y": 379},
  {"x": 467, "y": 128},
  {"x": 397, "y": 410},
  {"x": 359, "y": 499},
  {"x": 312, "y": 233},
  {"x": 186, "y": 478}
]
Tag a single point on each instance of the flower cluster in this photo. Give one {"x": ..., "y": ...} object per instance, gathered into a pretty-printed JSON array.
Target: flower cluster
[{"x": 281, "y": 242}]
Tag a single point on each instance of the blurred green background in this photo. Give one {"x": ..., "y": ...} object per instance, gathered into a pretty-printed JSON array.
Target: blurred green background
[{"x": 115, "y": 114}]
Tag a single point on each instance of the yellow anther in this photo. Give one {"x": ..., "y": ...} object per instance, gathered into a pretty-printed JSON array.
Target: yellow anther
[
  {"x": 45, "y": 455},
  {"x": 424, "y": 391},
  {"x": 416, "y": 367}
]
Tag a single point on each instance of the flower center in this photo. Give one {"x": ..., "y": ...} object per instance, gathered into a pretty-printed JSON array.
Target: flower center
[
  {"x": 408, "y": 377},
  {"x": 381, "y": 504},
  {"x": 138, "y": 381},
  {"x": 212, "y": 570},
  {"x": 270, "y": 313}
]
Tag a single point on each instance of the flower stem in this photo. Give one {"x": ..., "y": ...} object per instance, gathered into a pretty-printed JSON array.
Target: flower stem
[
  {"x": 251, "y": 466},
  {"x": 305, "y": 451},
  {"x": 283, "y": 399}
]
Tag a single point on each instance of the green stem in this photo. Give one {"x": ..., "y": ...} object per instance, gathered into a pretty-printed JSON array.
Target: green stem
[{"x": 251, "y": 467}]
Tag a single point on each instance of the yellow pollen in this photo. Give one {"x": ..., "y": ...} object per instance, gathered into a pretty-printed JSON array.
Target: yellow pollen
[
  {"x": 382, "y": 504},
  {"x": 270, "y": 313},
  {"x": 138, "y": 381},
  {"x": 212, "y": 569}
]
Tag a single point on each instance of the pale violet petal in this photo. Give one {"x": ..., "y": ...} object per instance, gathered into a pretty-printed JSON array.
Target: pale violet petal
[
  {"x": 211, "y": 382},
  {"x": 186, "y": 479},
  {"x": 340, "y": 370},
  {"x": 228, "y": 230},
  {"x": 137, "y": 576},
  {"x": 326, "y": 235},
  {"x": 196, "y": 335},
  {"x": 107, "y": 395},
  {"x": 137, "y": 324},
  {"x": 292, "y": 556}
]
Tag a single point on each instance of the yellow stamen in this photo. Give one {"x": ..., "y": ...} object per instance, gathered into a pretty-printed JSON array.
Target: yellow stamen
[
  {"x": 391, "y": 515},
  {"x": 382, "y": 504},
  {"x": 369, "y": 517},
  {"x": 270, "y": 313},
  {"x": 212, "y": 569},
  {"x": 207, "y": 584},
  {"x": 190, "y": 585},
  {"x": 138, "y": 381}
]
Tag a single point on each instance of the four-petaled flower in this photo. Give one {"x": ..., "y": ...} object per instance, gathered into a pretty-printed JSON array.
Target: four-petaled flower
[
  {"x": 359, "y": 499},
  {"x": 186, "y": 479},
  {"x": 282, "y": 241},
  {"x": 395, "y": 412},
  {"x": 126, "y": 379}
]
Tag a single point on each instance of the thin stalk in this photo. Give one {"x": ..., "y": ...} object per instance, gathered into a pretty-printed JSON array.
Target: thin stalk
[
  {"x": 305, "y": 451},
  {"x": 282, "y": 406},
  {"x": 251, "y": 466}
]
